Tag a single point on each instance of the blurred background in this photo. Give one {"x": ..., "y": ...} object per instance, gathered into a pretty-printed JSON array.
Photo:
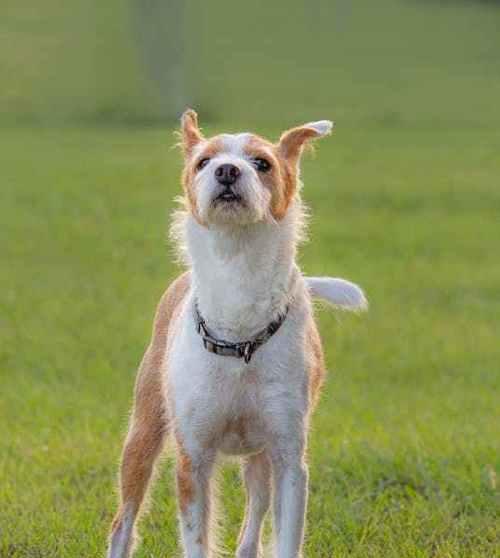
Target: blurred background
[
  {"x": 405, "y": 200},
  {"x": 141, "y": 62}
]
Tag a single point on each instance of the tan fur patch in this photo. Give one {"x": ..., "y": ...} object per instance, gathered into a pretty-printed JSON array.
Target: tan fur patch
[
  {"x": 292, "y": 142},
  {"x": 288, "y": 150},
  {"x": 238, "y": 426},
  {"x": 317, "y": 370},
  {"x": 280, "y": 180},
  {"x": 190, "y": 132},
  {"x": 289, "y": 180},
  {"x": 209, "y": 150},
  {"x": 185, "y": 483}
]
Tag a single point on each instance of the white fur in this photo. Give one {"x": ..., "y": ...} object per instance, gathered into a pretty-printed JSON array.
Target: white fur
[
  {"x": 243, "y": 276},
  {"x": 338, "y": 292},
  {"x": 122, "y": 540},
  {"x": 322, "y": 127}
]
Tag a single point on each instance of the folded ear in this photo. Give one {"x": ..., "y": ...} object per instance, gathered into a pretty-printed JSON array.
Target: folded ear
[
  {"x": 190, "y": 132},
  {"x": 292, "y": 141}
]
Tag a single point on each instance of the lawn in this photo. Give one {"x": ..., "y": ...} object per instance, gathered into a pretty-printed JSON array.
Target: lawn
[
  {"x": 404, "y": 199},
  {"x": 404, "y": 445}
]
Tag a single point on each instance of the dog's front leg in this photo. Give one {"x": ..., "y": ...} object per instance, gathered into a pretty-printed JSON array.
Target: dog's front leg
[
  {"x": 257, "y": 477},
  {"x": 194, "y": 468},
  {"x": 290, "y": 500},
  {"x": 148, "y": 430}
]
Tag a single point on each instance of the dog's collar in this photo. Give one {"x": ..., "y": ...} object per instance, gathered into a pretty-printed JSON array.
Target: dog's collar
[{"x": 242, "y": 349}]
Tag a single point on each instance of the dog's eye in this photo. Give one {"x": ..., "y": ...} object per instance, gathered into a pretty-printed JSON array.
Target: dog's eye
[
  {"x": 202, "y": 163},
  {"x": 262, "y": 165}
]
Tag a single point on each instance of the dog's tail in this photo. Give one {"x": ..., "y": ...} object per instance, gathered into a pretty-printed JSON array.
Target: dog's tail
[{"x": 339, "y": 292}]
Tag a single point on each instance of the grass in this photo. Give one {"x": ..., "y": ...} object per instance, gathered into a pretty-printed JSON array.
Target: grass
[
  {"x": 404, "y": 446},
  {"x": 405, "y": 200}
]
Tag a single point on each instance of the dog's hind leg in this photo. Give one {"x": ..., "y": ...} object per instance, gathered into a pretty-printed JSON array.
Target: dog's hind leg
[
  {"x": 148, "y": 427},
  {"x": 257, "y": 478}
]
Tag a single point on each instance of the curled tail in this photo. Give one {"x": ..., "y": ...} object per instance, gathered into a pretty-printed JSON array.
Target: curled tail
[{"x": 339, "y": 292}]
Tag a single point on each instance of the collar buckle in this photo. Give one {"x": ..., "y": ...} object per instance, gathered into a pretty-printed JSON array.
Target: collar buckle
[{"x": 248, "y": 350}]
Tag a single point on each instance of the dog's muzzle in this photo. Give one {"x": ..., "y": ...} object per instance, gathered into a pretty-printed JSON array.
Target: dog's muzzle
[{"x": 228, "y": 195}]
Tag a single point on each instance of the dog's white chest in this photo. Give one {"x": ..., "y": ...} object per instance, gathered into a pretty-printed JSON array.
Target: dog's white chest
[
  {"x": 219, "y": 405},
  {"x": 241, "y": 432},
  {"x": 223, "y": 403}
]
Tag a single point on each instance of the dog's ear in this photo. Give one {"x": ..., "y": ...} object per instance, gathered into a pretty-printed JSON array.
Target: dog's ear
[
  {"x": 293, "y": 141},
  {"x": 190, "y": 132}
]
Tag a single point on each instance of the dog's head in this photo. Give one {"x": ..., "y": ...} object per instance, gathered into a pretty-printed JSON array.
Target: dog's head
[{"x": 238, "y": 179}]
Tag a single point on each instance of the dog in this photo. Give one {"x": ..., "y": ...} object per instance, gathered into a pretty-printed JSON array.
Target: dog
[{"x": 235, "y": 364}]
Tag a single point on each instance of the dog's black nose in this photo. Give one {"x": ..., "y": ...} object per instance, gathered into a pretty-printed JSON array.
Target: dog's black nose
[{"x": 227, "y": 174}]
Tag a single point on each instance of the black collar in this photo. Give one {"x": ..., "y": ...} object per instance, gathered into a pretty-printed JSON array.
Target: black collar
[{"x": 242, "y": 349}]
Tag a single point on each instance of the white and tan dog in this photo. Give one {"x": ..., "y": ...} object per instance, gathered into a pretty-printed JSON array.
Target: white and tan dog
[{"x": 235, "y": 362}]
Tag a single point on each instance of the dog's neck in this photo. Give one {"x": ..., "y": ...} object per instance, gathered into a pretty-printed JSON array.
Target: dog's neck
[{"x": 243, "y": 276}]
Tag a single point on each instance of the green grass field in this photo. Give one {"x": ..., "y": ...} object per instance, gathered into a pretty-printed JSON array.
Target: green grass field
[
  {"x": 405, "y": 200},
  {"x": 405, "y": 441}
]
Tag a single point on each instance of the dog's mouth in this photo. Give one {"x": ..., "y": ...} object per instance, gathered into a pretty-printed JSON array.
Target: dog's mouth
[{"x": 228, "y": 196}]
